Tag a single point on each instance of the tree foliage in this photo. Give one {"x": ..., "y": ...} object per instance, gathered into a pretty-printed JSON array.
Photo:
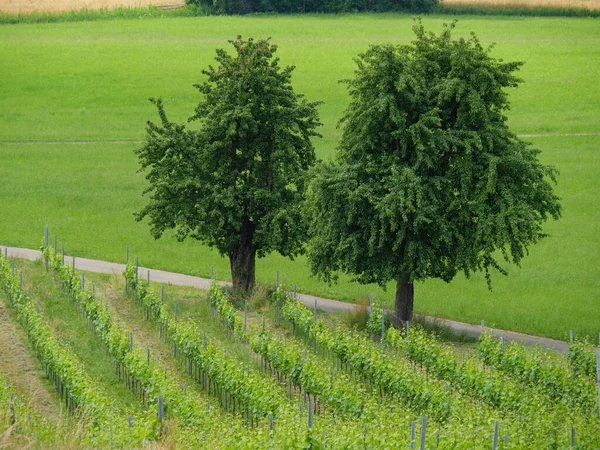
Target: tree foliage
[
  {"x": 429, "y": 180},
  {"x": 237, "y": 182},
  {"x": 312, "y": 6}
]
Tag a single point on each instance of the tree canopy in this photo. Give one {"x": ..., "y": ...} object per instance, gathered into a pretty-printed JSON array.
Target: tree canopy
[
  {"x": 237, "y": 182},
  {"x": 428, "y": 180}
]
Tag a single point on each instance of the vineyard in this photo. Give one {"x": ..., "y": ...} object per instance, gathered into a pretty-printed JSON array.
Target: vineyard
[{"x": 219, "y": 372}]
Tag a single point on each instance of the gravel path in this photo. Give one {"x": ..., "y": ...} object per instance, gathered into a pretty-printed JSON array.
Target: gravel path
[{"x": 160, "y": 276}]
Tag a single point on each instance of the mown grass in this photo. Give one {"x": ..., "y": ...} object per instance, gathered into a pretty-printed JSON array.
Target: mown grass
[{"x": 61, "y": 83}]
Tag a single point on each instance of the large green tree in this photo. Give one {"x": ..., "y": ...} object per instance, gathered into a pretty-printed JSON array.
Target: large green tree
[
  {"x": 429, "y": 180},
  {"x": 236, "y": 181}
]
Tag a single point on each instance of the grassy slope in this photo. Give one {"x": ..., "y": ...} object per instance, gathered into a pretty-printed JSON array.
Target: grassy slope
[{"x": 68, "y": 82}]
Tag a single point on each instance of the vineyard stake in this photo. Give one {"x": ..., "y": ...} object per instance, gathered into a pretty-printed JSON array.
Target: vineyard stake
[
  {"x": 370, "y": 303},
  {"x": 412, "y": 433},
  {"x": 126, "y": 263},
  {"x": 423, "y": 431},
  {"x": 130, "y": 341},
  {"x": 45, "y": 236},
  {"x": 148, "y": 278},
  {"x": 495, "y": 442},
  {"x": 130, "y": 420},
  {"x": 148, "y": 354},
  {"x": 161, "y": 410},
  {"x": 572, "y": 436},
  {"x": 382, "y": 323},
  {"x": 310, "y": 413},
  {"x": 295, "y": 299}
]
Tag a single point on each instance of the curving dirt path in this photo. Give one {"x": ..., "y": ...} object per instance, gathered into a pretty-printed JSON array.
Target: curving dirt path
[
  {"x": 160, "y": 276},
  {"x": 21, "y": 369}
]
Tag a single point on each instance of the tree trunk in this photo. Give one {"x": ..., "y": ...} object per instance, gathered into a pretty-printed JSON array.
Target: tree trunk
[
  {"x": 242, "y": 259},
  {"x": 405, "y": 293}
]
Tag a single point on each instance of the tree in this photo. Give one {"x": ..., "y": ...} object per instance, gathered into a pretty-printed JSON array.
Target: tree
[
  {"x": 428, "y": 179},
  {"x": 237, "y": 182}
]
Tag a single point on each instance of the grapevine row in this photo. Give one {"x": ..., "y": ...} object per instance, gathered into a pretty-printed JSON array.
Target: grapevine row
[
  {"x": 301, "y": 369},
  {"x": 147, "y": 375},
  {"x": 359, "y": 353},
  {"x": 529, "y": 368},
  {"x": 75, "y": 387},
  {"x": 251, "y": 393}
]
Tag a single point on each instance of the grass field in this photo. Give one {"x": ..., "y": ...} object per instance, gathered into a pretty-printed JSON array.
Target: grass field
[{"x": 73, "y": 104}]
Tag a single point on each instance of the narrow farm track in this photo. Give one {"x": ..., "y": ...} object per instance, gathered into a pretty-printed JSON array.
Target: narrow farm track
[
  {"x": 324, "y": 304},
  {"x": 22, "y": 369}
]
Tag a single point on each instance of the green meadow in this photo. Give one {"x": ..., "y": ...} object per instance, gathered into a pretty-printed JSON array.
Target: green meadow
[{"x": 74, "y": 102}]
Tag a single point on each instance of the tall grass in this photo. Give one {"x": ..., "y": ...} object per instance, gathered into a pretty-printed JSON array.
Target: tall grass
[
  {"x": 87, "y": 15},
  {"x": 485, "y": 9}
]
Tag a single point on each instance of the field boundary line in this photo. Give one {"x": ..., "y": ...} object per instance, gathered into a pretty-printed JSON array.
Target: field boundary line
[
  {"x": 329, "y": 305},
  {"x": 139, "y": 141}
]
